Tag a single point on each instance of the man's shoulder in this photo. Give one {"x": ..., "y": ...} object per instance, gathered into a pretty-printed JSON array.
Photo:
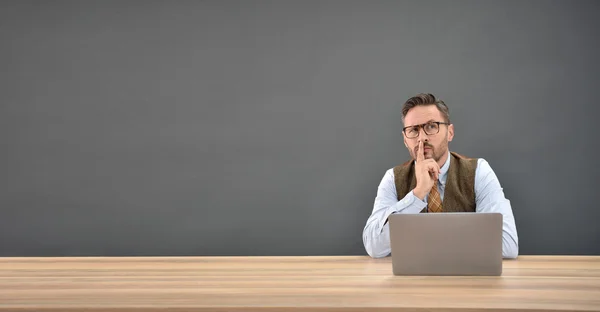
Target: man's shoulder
[
  {"x": 404, "y": 164},
  {"x": 403, "y": 167},
  {"x": 475, "y": 162},
  {"x": 398, "y": 169},
  {"x": 481, "y": 165},
  {"x": 464, "y": 157}
]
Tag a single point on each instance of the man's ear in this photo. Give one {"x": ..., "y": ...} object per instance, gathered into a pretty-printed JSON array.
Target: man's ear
[{"x": 450, "y": 132}]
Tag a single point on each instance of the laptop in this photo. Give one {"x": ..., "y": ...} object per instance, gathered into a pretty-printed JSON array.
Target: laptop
[{"x": 462, "y": 243}]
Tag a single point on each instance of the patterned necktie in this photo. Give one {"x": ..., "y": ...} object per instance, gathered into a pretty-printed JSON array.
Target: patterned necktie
[{"x": 434, "y": 202}]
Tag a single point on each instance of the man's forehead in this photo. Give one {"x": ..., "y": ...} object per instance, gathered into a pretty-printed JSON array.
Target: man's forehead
[{"x": 422, "y": 114}]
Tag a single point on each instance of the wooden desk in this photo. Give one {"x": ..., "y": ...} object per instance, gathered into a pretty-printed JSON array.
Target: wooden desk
[{"x": 289, "y": 283}]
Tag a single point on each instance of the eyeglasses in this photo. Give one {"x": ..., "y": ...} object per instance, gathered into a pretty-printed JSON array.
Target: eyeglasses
[{"x": 431, "y": 128}]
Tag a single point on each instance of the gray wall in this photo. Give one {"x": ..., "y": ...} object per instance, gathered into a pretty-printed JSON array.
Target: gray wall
[{"x": 264, "y": 127}]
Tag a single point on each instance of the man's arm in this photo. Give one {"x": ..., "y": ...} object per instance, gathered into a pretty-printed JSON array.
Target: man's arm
[
  {"x": 376, "y": 234},
  {"x": 489, "y": 197}
]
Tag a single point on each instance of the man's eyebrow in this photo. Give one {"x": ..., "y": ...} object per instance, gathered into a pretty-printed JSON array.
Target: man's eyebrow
[{"x": 428, "y": 121}]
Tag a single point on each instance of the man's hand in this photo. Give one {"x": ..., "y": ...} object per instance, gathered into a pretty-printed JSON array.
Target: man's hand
[{"x": 427, "y": 172}]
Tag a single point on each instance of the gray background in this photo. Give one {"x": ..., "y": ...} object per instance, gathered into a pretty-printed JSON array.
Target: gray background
[{"x": 264, "y": 127}]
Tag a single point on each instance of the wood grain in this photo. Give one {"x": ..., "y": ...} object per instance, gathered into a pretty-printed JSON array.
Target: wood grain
[{"x": 532, "y": 283}]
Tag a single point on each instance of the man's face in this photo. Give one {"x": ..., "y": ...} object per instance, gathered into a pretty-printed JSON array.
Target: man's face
[{"x": 434, "y": 145}]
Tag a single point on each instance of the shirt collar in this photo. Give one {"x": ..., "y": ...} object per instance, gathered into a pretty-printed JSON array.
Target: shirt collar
[{"x": 444, "y": 170}]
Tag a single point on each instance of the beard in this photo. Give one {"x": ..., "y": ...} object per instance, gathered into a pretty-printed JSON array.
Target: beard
[{"x": 435, "y": 152}]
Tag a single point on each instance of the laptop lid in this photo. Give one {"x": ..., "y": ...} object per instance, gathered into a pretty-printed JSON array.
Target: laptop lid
[{"x": 446, "y": 243}]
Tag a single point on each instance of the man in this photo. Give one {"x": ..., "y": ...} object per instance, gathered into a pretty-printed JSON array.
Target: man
[{"x": 435, "y": 180}]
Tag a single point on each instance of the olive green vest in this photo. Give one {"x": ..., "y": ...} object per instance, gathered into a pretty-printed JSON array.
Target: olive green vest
[{"x": 459, "y": 193}]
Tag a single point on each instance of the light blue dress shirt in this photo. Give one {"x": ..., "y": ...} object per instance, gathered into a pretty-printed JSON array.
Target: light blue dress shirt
[{"x": 489, "y": 197}]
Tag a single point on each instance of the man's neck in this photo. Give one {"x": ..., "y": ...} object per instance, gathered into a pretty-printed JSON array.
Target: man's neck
[{"x": 443, "y": 159}]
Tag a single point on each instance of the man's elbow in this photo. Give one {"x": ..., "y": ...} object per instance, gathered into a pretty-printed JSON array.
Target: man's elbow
[
  {"x": 374, "y": 253},
  {"x": 511, "y": 253},
  {"x": 374, "y": 246}
]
